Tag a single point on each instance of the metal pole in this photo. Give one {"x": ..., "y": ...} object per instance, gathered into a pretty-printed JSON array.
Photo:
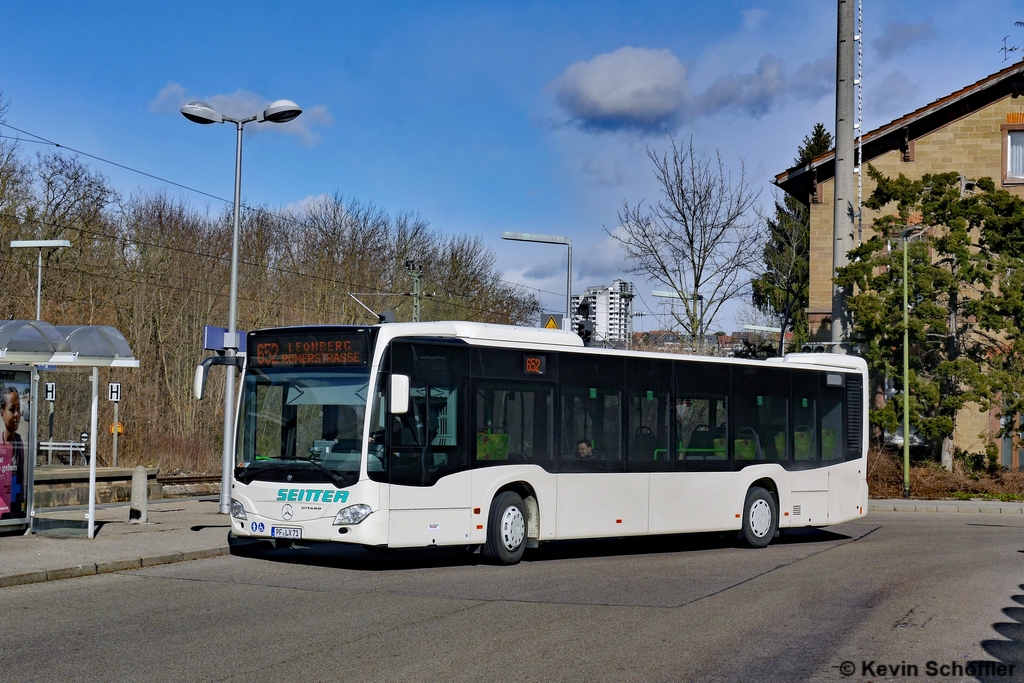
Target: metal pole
[
  {"x": 567, "y": 322},
  {"x": 39, "y": 285},
  {"x": 416, "y": 293},
  {"x": 231, "y": 341},
  {"x": 93, "y": 421},
  {"x": 843, "y": 210},
  {"x": 906, "y": 378},
  {"x": 114, "y": 458}
]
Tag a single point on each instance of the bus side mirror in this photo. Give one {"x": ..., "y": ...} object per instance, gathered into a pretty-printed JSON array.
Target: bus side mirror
[
  {"x": 199, "y": 385},
  {"x": 203, "y": 369},
  {"x": 398, "y": 391}
]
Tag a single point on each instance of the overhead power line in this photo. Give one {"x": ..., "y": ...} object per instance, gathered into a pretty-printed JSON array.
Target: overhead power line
[{"x": 288, "y": 219}]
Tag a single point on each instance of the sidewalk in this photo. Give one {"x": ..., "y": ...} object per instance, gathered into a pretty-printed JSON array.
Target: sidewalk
[
  {"x": 177, "y": 530},
  {"x": 180, "y": 530}
]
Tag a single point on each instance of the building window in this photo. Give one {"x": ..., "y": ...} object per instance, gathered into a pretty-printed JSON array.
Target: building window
[
  {"x": 1013, "y": 153},
  {"x": 1015, "y": 161}
]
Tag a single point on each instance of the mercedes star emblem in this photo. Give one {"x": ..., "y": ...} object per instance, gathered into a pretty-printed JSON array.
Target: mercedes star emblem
[{"x": 287, "y": 512}]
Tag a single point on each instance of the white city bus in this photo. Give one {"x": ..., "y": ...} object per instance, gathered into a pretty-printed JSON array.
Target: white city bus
[{"x": 464, "y": 434}]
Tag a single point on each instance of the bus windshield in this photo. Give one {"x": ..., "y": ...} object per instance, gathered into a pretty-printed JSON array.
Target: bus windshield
[{"x": 302, "y": 426}]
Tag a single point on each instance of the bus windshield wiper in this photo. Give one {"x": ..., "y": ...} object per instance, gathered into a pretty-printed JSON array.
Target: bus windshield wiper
[{"x": 339, "y": 480}]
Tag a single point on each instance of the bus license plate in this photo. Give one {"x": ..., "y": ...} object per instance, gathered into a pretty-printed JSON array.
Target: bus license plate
[{"x": 286, "y": 532}]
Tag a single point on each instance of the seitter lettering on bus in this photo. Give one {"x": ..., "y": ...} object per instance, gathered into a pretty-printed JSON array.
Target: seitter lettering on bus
[{"x": 315, "y": 495}]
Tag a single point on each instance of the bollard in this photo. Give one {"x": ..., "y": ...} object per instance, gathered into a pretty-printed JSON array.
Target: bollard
[{"x": 140, "y": 494}]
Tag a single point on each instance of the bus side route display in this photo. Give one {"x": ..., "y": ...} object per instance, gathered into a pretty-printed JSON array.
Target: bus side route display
[{"x": 306, "y": 350}]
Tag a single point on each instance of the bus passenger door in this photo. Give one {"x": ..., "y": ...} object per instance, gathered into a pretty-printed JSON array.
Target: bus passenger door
[
  {"x": 596, "y": 497},
  {"x": 429, "y": 489}
]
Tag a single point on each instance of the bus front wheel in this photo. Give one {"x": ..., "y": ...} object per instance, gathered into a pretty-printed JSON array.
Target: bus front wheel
[
  {"x": 760, "y": 517},
  {"x": 506, "y": 529}
]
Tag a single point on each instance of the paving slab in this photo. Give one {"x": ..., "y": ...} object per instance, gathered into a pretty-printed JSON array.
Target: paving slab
[{"x": 178, "y": 530}]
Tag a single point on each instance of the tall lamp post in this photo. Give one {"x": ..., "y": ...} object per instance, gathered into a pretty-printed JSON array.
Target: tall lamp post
[
  {"x": 40, "y": 245},
  {"x": 551, "y": 239},
  {"x": 280, "y": 111},
  {"x": 906, "y": 235}
]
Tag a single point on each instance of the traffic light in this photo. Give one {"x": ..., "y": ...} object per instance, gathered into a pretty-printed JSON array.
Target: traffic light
[
  {"x": 812, "y": 348},
  {"x": 585, "y": 329}
]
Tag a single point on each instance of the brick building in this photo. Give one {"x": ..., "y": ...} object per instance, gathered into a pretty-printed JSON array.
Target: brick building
[{"x": 977, "y": 131}]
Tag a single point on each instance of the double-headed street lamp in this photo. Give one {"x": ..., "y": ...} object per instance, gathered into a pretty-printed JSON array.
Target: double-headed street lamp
[
  {"x": 551, "y": 239},
  {"x": 280, "y": 111}
]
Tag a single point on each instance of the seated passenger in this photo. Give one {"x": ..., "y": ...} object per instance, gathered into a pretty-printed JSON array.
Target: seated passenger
[{"x": 583, "y": 450}]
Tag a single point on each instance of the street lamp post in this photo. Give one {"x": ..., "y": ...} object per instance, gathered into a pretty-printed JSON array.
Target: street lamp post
[
  {"x": 280, "y": 111},
  {"x": 40, "y": 245},
  {"x": 906, "y": 235},
  {"x": 551, "y": 239}
]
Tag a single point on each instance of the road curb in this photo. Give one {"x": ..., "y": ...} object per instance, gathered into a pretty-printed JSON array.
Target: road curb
[
  {"x": 91, "y": 569},
  {"x": 976, "y": 507}
]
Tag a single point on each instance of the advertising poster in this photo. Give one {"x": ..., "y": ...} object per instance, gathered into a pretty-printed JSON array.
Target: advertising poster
[
  {"x": 6, "y": 476},
  {"x": 14, "y": 430}
]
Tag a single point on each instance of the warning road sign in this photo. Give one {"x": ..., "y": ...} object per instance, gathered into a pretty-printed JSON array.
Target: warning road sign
[{"x": 551, "y": 321}]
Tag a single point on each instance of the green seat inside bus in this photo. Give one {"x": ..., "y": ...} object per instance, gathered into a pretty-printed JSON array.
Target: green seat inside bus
[
  {"x": 492, "y": 446},
  {"x": 747, "y": 445},
  {"x": 803, "y": 443},
  {"x": 705, "y": 445}
]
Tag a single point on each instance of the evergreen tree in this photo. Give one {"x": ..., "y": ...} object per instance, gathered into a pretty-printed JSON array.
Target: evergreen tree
[
  {"x": 964, "y": 298},
  {"x": 818, "y": 142},
  {"x": 781, "y": 289}
]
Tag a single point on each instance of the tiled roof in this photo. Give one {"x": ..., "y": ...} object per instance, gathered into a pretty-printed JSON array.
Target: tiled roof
[{"x": 1007, "y": 78}]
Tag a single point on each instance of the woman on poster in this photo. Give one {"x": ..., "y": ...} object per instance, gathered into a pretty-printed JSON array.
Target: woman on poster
[{"x": 12, "y": 455}]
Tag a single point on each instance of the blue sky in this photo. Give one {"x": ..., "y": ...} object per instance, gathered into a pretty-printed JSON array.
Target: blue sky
[{"x": 480, "y": 117}]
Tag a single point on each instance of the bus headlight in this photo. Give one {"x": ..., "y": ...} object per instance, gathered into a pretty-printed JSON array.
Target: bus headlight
[
  {"x": 353, "y": 514},
  {"x": 237, "y": 510}
]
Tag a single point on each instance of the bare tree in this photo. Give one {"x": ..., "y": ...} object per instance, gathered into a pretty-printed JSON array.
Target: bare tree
[{"x": 699, "y": 240}]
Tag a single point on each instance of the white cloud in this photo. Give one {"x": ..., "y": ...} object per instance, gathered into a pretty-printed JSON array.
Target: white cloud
[
  {"x": 647, "y": 90},
  {"x": 898, "y": 37},
  {"x": 755, "y": 92},
  {"x": 752, "y": 18},
  {"x": 600, "y": 262},
  {"x": 171, "y": 98},
  {"x": 632, "y": 88},
  {"x": 308, "y": 202},
  {"x": 545, "y": 269},
  {"x": 893, "y": 96},
  {"x": 243, "y": 104}
]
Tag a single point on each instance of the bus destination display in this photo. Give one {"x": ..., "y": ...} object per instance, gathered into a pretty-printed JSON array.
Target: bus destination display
[{"x": 309, "y": 350}]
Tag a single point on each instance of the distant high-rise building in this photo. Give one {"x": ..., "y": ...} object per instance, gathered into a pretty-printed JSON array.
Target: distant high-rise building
[{"x": 611, "y": 311}]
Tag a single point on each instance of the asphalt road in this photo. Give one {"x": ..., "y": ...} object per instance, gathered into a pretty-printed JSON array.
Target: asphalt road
[{"x": 897, "y": 589}]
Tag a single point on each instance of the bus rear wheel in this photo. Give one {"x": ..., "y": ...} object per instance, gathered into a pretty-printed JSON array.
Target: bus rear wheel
[
  {"x": 506, "y": 529},
  {"x": 760, "y": 517}
]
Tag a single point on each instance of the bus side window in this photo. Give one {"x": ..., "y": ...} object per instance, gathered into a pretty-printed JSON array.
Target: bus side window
[
  {"x": 512, "y": 423},
  {"x": 760, "y": 404},
  {"x": 700, "y": 412},
  {"x": 591, "y": 409},
  {"x": 805, "y": 437},
  {"x": 832, "y": 435},
  {"x": 648, "y": 421}
]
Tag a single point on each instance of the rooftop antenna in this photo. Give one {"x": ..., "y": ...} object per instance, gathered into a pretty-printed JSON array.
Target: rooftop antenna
[{"x": 1007, "y": 50}]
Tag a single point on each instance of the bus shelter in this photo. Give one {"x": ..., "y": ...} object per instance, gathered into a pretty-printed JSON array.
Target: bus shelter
[{"x": 26, "y": 346}]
